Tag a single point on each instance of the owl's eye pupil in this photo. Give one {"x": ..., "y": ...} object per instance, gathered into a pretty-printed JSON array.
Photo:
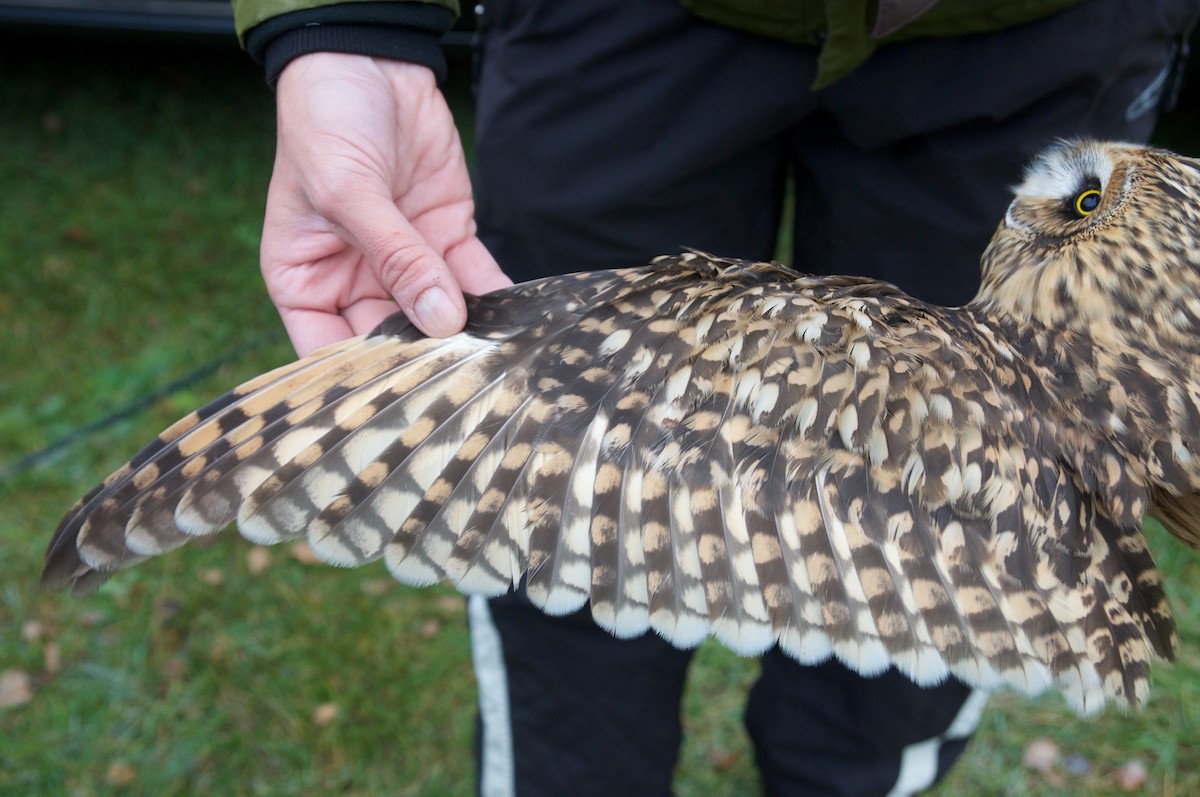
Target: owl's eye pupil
[{"x": 1087, "y": 202}]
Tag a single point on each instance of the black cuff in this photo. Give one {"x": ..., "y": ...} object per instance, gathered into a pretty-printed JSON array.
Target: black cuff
[{"x": 409, "y": 32}]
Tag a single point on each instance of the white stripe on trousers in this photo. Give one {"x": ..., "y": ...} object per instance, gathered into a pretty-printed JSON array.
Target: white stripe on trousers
[
  {"x": 919, "y": 762},
  {"x": 496, "y": 768}
]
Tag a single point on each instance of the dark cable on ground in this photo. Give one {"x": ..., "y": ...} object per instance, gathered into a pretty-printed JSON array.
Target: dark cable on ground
[{"x": 33, "y": 459}]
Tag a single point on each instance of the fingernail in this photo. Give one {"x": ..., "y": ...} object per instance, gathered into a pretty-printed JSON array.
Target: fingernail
[{"x": 435, "y": 314}]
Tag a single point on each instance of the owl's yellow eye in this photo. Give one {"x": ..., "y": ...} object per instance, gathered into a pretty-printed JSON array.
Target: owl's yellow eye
[{"x": 1087, "y": 202}]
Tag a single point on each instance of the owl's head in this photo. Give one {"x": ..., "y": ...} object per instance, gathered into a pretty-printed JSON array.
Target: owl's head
[{"x": 1103, "y": 238}]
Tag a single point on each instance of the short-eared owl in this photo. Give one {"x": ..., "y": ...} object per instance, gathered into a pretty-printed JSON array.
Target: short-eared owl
[{"x": 707, "y": 446}]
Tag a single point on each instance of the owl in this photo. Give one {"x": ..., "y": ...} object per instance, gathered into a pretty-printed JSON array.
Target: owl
[{"x": 704, "y": 446}]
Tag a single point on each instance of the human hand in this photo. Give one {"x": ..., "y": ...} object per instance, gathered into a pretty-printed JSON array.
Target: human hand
[{"x": 369, "y": 206}]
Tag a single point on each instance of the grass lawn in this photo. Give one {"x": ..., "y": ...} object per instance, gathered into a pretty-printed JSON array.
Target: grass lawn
[{"x": 133, "y": 179}]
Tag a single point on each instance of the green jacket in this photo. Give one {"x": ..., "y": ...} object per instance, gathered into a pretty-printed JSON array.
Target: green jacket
[
  {"x": 248, "y": 13},
  {"x": 847, "y": 31}
]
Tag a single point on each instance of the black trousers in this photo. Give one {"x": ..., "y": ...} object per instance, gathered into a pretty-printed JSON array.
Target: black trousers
[{"x": 610, "y": 132}]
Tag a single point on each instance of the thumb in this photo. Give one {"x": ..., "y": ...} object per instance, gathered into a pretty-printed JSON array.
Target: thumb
[{"x": 411, "y": 270}]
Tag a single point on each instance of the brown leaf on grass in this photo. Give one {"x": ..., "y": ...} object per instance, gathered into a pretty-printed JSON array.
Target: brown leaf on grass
[
  {"x": 16, "y": 688},
  {"x": 303, "y": 554},
  {"x": 1132, "y": 776},
  {"x": 91, "y": 617},
  {"x": 325, "y": 714},
  {"x": 120, "y": 774},
  {"x": 77, "y": 233},
  {"x": 430, "y": 628},
  {"x": 377, "y": 587},
  {"x": 1041, "y": 755},
  {"x": 724, "y": 760},
  {"x": 258, "y": 559},
  {"x": 213, "y": 577},
  {"x": 52, "y": 658},
  {"x": 31, "y": 630}
]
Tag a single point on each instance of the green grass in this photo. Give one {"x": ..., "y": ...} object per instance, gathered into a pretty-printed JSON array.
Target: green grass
[{"x": 133, "y": 181}]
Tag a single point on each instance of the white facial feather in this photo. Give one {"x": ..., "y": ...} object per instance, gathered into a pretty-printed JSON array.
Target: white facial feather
[{"x": 1060, "y": 172}]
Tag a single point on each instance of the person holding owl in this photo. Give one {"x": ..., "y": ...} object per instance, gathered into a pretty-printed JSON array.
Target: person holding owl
[{"x": 608, "y": 133}]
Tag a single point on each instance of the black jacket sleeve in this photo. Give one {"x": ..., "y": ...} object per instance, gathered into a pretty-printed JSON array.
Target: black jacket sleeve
[{"x": 402, "y": 31}]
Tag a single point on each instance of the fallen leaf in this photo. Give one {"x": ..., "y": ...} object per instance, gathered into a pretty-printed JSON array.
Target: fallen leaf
[
  {"x": 52, "y": 658},
  {"x": 16, "y": 688},
  {"x": 1132, "y": 776},
  {"x": 213, "y": 577},
  {"x": 376, "y": 587},
  {"x": 120, "y": 774},
  {"x": 31, "y": 630},
  {"x": 303, "y": 553},
  {"x": 724, "y": 760},
  {"x": 1041, "y": 755},
  {"x": 77, "y": 233},
  {"x": 258, "y": 559},
  {"x": 91, "y": 617},
  {"x": 325, "y": 713}
]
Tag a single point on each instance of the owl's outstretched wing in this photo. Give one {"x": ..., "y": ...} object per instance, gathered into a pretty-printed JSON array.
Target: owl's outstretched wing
[{"x": 695, "y": 447}]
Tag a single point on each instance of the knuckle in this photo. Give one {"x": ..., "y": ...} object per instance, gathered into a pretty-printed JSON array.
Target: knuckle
[{"x": 405, "y": 263}]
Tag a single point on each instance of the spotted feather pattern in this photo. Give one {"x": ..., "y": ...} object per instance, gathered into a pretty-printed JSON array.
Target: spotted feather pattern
[{"x": 704, "y": 447}]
